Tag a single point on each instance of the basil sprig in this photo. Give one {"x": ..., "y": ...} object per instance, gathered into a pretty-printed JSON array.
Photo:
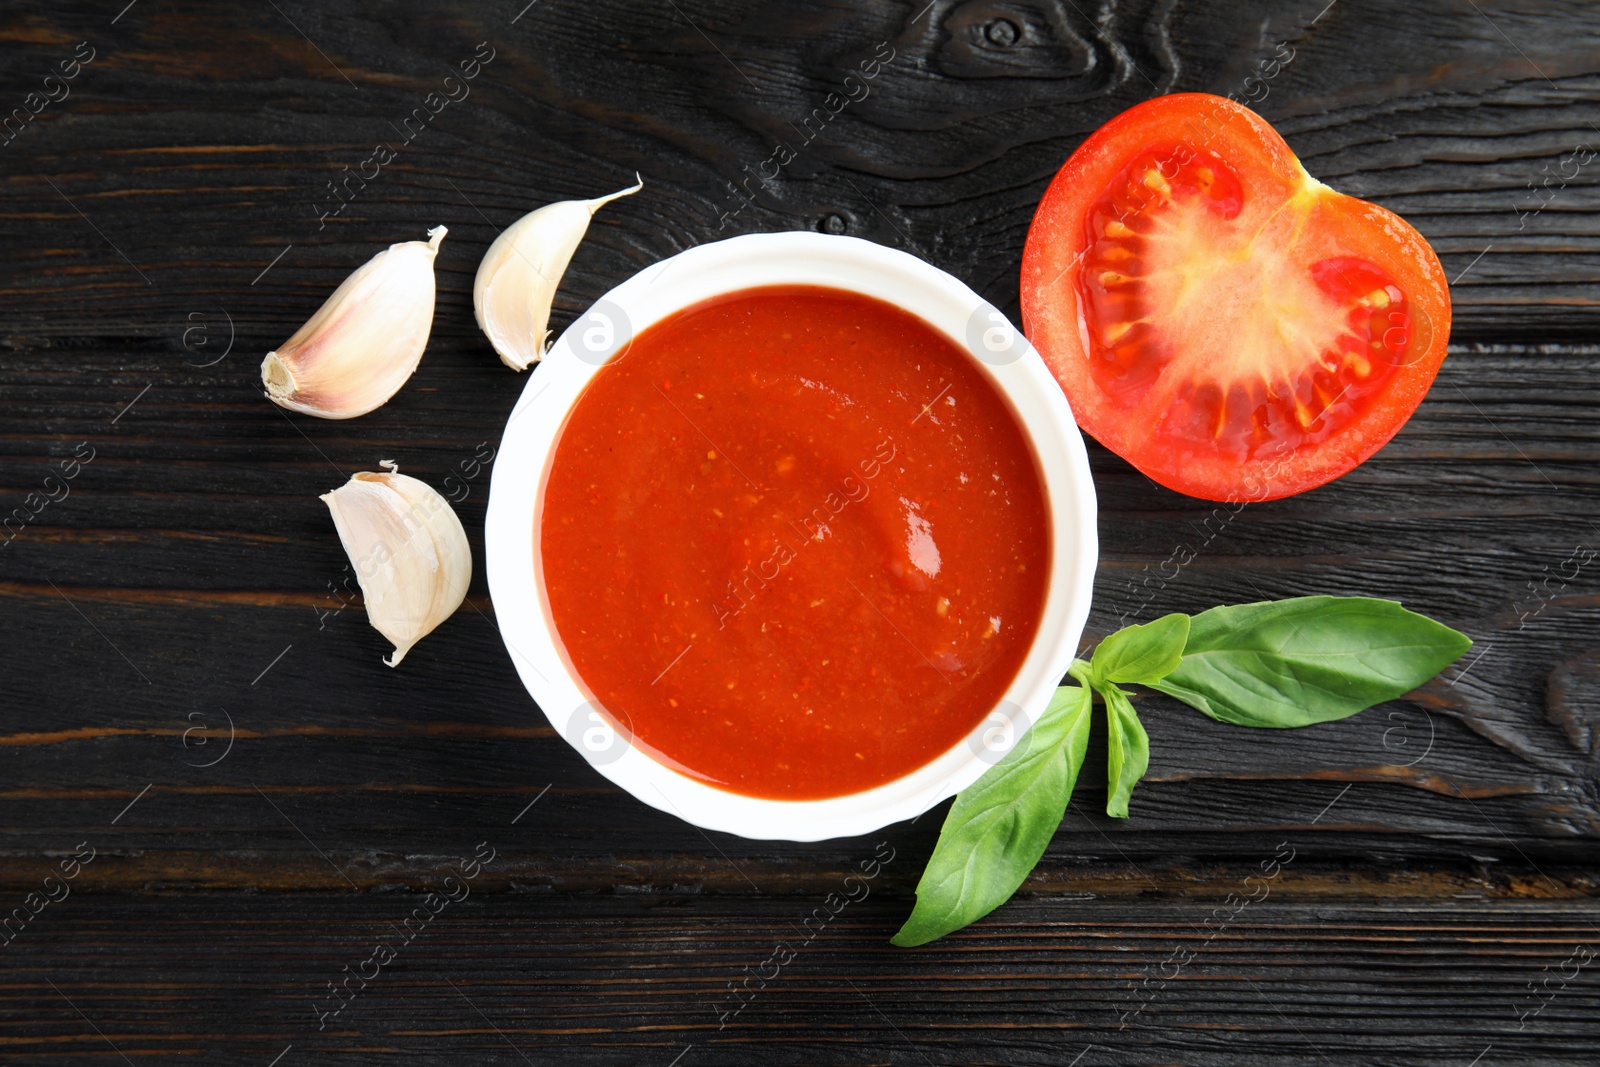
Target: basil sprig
[{"x": 1278, "y": 663}]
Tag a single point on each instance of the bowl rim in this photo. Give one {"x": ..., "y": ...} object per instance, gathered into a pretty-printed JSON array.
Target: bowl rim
[{"x": 535, "y": 426}]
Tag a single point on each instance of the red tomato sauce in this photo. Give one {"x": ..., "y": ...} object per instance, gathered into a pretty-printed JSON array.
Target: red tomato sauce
[{"x": 794, "y": 542}]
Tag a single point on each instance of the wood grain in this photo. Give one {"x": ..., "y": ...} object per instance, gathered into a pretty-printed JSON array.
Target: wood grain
[
  {"x": 187, "y": 599},
  {"x": 237, "y": 979}
]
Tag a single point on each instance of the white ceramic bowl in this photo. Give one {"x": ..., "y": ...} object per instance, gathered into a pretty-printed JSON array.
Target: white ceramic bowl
[{"x": 522, "y": 466}]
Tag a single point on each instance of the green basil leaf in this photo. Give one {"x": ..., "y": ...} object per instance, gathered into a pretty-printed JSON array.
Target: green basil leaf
[
  {"x": 1141, "y": 654},
  {"x": 1311, "y": 659},
  {"x": 999, "y": 826},
  {"x": 1127, "y": 750}
]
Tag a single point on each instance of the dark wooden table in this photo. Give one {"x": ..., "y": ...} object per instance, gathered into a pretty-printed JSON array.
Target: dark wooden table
[{"x": 192, "y": 698}]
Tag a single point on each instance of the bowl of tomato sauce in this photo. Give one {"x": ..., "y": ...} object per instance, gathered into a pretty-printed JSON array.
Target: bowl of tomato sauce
[{"x": 792, "y": 535}]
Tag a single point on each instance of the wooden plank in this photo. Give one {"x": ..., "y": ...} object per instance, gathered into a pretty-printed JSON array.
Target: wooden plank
[
  {"x": 498, "y": 979},
  {"x": 1454, "y": 115}
]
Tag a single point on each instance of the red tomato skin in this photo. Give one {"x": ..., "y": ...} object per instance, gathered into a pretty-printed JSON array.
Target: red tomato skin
[{"x": 1053, "y": 320}]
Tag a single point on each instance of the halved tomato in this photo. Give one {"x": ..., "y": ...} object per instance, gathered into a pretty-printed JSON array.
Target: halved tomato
[{"x": 1218, "y": 317}]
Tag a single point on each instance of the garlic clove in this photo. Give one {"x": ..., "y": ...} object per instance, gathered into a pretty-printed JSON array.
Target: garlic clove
[
  {"x": 516, "y": 282},
  {"x": 366, "y": 339},
  {"x": 409, "y": 550}
]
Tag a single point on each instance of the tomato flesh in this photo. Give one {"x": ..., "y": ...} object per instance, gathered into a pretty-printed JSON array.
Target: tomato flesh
[{"x": 1218, "y": 317}]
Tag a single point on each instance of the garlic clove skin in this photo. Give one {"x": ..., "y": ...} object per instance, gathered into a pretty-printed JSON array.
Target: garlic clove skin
[
  {"x": 366, "y": 339},
  {"x": 409, "y": 550},
  {"x": 517, "y": 280}
]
